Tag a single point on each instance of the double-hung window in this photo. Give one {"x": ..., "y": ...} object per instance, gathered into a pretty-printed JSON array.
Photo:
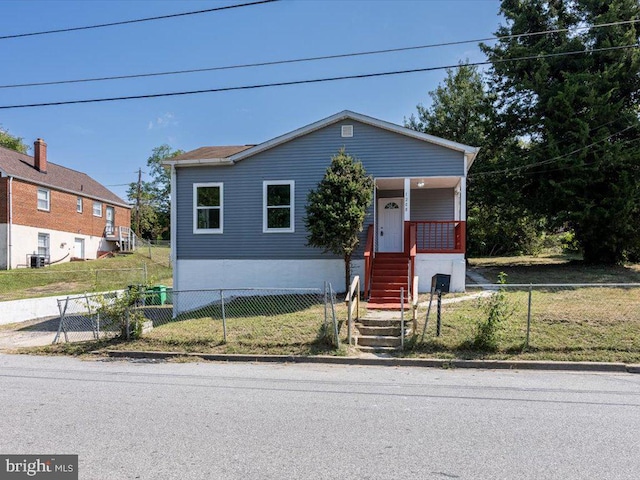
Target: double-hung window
[
  {"x": 97, "y": 209},
  {"x": 208, "y": 207},
  {"x": 79, "y": 205},
  {"x": 44, "y": 199},
  {"x": 278, "y": 202},
  {"x": 43, "y": 245}
]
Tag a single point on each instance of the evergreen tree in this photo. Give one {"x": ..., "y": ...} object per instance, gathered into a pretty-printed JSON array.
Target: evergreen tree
[
  {"x": 578, "y": 113},
  {"x": 462, "y": 110},
  {"x": 336, "y": 209}
]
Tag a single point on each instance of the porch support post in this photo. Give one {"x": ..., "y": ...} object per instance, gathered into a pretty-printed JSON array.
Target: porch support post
[
  {"x": 407, "y": 199},
  {"x": 463, "y": 199}
]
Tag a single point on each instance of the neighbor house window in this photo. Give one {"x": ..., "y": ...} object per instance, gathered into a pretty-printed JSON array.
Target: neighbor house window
[
  {"x": 97, "y": 209},
  {"x": 44, "y": 197},
  {"x": 277, "y": 215},
  {"x": 43, "y": 245},
  {"x": 207, "y": 207},
  {"x": 79, "y": 205}
]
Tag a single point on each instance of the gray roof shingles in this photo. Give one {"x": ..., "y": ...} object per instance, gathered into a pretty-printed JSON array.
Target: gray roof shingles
[{"x": 21, "y": 166}]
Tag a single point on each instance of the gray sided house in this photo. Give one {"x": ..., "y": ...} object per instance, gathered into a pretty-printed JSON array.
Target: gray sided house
[{"x": 238, "y": 211}]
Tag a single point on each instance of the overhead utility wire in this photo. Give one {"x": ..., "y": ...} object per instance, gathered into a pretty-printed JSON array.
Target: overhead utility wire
[
  {"x": 550, "y": 160},
  {"x": 315, "y": 80},
  {"x": 137, "y": 20},
  {"x": 304, "y": 59}
]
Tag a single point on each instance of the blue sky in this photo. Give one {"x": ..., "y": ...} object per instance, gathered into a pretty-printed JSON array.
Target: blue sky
[{"x": 110, "y": 141}]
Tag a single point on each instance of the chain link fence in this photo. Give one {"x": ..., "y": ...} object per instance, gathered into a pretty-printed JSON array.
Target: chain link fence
[
  {"x": 256, "y": 318},
  {"x": 560, "y": 318}
]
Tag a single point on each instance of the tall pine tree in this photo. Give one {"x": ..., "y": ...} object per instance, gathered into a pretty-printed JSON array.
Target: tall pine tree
[{"x": 578, "y": 112}]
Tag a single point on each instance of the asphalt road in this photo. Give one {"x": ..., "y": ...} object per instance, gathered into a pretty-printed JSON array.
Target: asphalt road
[{"x": 130, "y": 420}]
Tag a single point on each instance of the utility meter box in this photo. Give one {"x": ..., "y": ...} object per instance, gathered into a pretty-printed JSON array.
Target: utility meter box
[{"x": 441, "y": 282}]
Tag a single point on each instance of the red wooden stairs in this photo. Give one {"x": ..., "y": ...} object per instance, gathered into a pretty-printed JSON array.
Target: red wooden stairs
[{"x": 388, "y": 277}]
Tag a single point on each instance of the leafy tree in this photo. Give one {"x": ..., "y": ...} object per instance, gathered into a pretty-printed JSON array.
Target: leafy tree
[
  {"x": 336, "y": 209},
  {"x": 152, "y": 218},
  {"x": 462, "y": 110},
  {"x": 579, "y": 114},
  {"x": 14, "y": 143}
]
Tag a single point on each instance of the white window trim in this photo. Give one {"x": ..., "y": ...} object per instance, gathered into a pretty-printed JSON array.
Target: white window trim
[
  {"x": 48, "y": 207},
  {"x": 197, "y": 230},
  {"x": 292, "y": 203},
  {"x": 47, "y": 246},
  {"x": 93, "y": 209},
  {"x": 81, "y": 204}
]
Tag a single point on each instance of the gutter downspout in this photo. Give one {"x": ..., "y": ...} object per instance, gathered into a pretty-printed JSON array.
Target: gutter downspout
[
  {"x": 9, "y": 223},
  {"x": 172, "y": 225}
]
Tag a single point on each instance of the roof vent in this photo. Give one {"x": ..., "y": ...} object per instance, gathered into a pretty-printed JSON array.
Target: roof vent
[{"x": 347, "y": 130}]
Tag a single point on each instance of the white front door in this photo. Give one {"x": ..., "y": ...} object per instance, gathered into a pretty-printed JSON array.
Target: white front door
[
  {"x": 78, "y": 248},
  {"x": 390, "y": 225}
]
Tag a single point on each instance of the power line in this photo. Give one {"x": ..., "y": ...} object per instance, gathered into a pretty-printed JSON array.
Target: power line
[
  {"x": 551, "y": 160},
  {"x": 309, "y": 81},
  {"x": 305, "y": 59},
  {"x": 137, "y": 20}
]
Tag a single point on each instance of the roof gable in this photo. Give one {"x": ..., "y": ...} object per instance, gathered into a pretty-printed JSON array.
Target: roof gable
[
  {"x": 227, "y": 155},
  {"x": 57, "y": 177}
]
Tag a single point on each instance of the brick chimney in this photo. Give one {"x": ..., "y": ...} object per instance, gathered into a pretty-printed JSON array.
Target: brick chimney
[{"x": 40, "y": 155}]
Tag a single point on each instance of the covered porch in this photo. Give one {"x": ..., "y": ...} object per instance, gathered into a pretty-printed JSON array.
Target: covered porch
[{"x": 419, "y": 227}]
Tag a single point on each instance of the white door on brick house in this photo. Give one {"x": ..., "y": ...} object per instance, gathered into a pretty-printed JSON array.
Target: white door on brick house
[
  {"x": 390, "y": 225},
  {"x": 110, "y": 220},
  {"x": 78, "y": 248}
]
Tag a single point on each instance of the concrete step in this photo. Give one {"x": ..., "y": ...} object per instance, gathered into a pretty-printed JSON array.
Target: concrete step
[
  {"x": 389, "y": 331},
  {"x": 366, "y": 348},
  {"x": 378, "y": 341}
]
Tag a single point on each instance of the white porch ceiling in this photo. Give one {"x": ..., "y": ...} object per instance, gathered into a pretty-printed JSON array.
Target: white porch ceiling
[{"x": 429, "y": 182}]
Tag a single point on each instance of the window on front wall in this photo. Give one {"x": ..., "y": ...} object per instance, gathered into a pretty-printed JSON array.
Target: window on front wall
[
  {"x": 278, "y": 215},
  {"x": 97, "y": 209},
  {"x": 79, "y": 205},
  {"x": 44, "y": 197},
  {"x": 43, "y": 245},
  {"x": 208, "y": 200}
]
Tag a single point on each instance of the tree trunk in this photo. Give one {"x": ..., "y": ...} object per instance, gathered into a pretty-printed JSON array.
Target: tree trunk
[{"x": 347, "y": 271}]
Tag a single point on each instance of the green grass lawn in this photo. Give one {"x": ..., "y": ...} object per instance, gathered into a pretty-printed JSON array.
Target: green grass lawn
[
  {"x": 553, "y": 268},
  {"x": 583, "y": 324},
  {"x": 88, "y": 276},
  {"x": 580, "y": 324}
]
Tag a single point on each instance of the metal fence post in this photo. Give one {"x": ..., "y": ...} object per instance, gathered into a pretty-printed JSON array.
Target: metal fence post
[
  {"x": 224, "y": 318},
  {"x": 526, "y": 343},
  {"x": 325, "y": 306},
  {"x": 126, "y": 314},
  {"x": 144, "y": 272},
  {"x": 349, "y": 317},
  {"x": 333, "y": 314}
]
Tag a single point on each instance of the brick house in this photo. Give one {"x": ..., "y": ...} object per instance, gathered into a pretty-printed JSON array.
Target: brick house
[{"x": 51, "y": 214}]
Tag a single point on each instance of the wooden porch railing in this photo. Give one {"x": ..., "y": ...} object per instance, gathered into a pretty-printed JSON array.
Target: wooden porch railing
[
  {"x": 440, "y": 236},
  {"x": 368, "y": 262}
]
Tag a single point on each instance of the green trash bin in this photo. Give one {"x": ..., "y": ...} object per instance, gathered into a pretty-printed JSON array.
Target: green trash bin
[{"x": 158, "y": 295}]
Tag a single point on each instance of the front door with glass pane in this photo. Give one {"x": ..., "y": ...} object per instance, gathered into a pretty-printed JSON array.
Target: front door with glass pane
[
  {"x": 389, "y": 225},
  {"x": 110, "y": 220}
]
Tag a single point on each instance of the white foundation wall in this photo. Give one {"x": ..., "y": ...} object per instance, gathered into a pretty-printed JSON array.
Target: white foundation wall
[
  {"x": 427, "y": 265},
  {"x": 3, "y": 246},
  {"x": 61, "y": 244},
  {"x": 189, "y": 276},
  {"x": 214, "y": 274}
]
